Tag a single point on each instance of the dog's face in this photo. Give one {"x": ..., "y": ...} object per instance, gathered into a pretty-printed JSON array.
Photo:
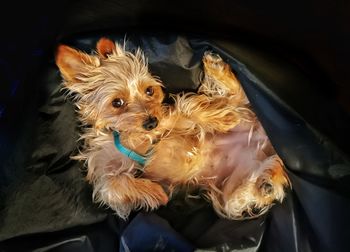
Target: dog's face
[{"x": 113, "y": 89}]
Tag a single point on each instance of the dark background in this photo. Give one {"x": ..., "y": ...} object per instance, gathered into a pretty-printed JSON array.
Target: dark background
[{"x": 313, "y": 36}]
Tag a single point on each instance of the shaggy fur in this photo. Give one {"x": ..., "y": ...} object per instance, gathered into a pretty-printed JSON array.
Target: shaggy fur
[{"x": 210, "y": 139}]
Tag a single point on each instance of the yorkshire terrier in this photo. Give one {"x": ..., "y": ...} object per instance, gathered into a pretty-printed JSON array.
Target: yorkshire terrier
[{"x": 139, "y": 150}]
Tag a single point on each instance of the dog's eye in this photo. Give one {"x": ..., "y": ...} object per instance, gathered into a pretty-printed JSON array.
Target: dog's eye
[
  {"x": 149, "y": 91},
  {"x": 117, "y": 103}
]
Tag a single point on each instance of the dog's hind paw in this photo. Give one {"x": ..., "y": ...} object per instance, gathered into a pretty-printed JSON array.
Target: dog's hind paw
[{"x": 266, "y": 188}]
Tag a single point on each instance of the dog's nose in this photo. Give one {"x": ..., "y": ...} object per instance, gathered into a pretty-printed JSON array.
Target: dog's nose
[{"x": 150, "y": 123}]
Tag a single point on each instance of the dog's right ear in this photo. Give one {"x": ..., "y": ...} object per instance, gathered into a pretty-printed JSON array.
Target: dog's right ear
[{"x": 73, "y": 63}]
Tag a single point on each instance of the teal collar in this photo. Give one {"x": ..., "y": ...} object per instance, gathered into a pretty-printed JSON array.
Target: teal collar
[{"x": 129, "y": 153}]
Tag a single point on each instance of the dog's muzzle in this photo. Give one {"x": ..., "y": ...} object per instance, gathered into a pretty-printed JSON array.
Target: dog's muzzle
[{"x": 150, "y": 123}]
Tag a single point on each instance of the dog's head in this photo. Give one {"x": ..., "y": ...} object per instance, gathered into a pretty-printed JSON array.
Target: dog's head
[{"x": 113, "y": 88}]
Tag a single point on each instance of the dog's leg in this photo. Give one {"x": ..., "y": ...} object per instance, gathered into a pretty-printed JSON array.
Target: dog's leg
[
  {"x": 219, "y": 80},
  {"x": 221, "y": 103},
  {"x": 255, "y": 194},
  {"x": 124, "y": 193},
  {"x": 210, "y": 114}
]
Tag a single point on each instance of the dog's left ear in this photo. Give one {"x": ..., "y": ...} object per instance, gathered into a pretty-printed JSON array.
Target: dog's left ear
[{"x": 106, "y": 46}]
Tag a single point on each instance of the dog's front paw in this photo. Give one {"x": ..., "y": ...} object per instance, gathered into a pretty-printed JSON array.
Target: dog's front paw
[
  {"x": 124, "y": 194},
  {"x": 213, "y": 61},
  {"x": 212, "y": 57}
]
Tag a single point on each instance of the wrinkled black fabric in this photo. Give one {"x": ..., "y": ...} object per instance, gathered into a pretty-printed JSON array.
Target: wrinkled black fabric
[{"x": 48, "y": 207}]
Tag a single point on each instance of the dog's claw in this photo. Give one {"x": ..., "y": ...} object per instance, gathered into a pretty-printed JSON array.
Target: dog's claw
[
  {"x": 256, "y": 211},
  {"x": 251, "y": 211}
]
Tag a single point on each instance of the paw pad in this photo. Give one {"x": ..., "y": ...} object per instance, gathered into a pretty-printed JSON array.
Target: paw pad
[
  {"x": 266, "y": 188},
  {"x": 213, "y": 57}
]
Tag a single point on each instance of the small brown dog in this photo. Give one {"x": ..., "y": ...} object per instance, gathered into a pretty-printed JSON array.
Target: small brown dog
[{"x": 138, "y": 150}]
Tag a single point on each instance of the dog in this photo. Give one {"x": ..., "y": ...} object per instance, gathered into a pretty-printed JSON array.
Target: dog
[{"x": 138, "y": 150}]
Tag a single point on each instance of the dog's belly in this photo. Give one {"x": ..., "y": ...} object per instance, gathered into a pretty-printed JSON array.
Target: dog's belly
[{"x": 236, "y": 154}]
